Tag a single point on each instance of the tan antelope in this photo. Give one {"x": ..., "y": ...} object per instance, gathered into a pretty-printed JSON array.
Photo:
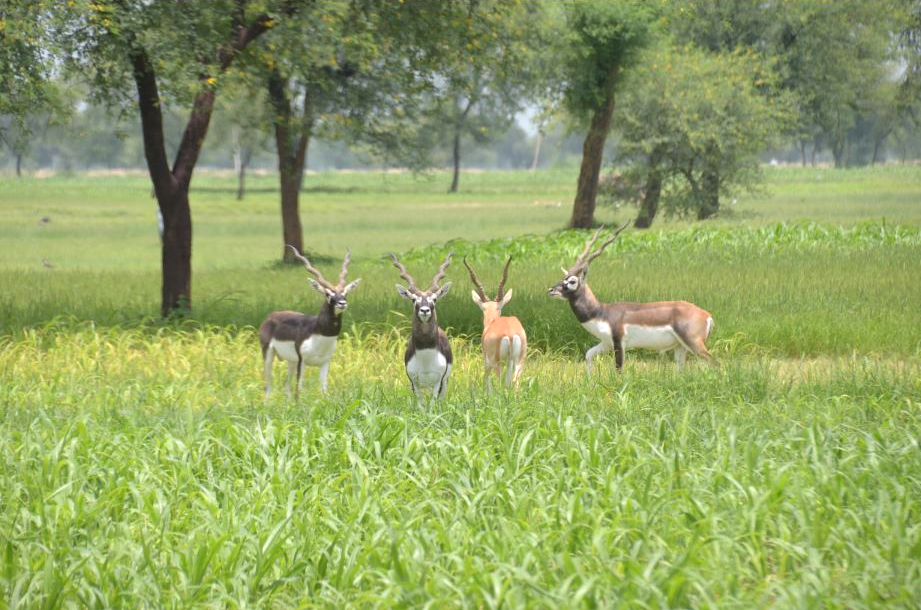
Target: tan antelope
[
  {"x": 302, "y": 340},
  {"x": 428, "y": 356},
  {"x": 504, "y": 338},
  {"x": 662, "y": 325}
]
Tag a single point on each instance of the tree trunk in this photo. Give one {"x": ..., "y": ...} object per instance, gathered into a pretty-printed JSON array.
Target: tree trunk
[
  {"x": 583, "y": 208},
  {"x": 176, "y": 253},
  {"x": 802, "y": 151},
  {"x": 878, "y": 145},
  {"x": 238, "y": 167},
  {"x": 241, "y": 182},
  {"x": 458, "y": 129},
  {"x": 837, "y": 152},
  {"x": 171, "y": 184},
  {"x": 292, "y": 231},
  {"x": 535, "y": 160},
  {"x": 455, "y": 181},
  {"x": 291, "y": 142},
  {"x": 18, "y": 165},
  {"x": 710, "y": 192},
  {"x": 649, "y": 205}
]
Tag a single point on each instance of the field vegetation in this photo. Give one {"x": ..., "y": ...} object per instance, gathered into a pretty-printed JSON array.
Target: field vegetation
[{"x": 140, "y": 465}]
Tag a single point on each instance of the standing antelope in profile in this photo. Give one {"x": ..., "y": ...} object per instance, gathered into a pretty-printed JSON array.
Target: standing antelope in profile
[
  {"x": 503, "y": 336},
  {"x": 662, "y": 325},
  {"x": 306, "y": 340},
  {"x": 428, "y": 355}
]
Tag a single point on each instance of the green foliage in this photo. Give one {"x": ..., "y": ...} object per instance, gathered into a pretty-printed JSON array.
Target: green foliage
[
  {"x": 599, "y": 40},
  {"x": 144, "y": 469},
  {"x": 180, "y": 37},
  {"x": 833, "y": 57},
  {"x": 28, "y": 93},
  {"x": 687, "y": 113},
  {"x": 140, "y": 465},
  {"x": 485, "y": 78},
  {"x": 800, "y": 237},
  {"x": 790, "y": 288}
]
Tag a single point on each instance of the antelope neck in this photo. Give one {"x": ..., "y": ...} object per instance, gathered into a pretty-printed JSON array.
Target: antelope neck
[
  {"x": 584, "y": 304},
  {"x": 490, "y": 315},
  {"x": 328, "y": 322},
  {"x": 425, "y": 334}
]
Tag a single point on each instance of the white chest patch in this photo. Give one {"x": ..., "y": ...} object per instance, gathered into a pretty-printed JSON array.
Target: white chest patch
[
  {"x": 600, "y": 329},
  {"x": 315, "y": 351},
  {"x": 649, "y": 337},
  {"x": 427, "y": 367}
]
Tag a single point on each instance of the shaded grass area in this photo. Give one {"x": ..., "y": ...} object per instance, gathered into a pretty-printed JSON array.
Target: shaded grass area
[{"x": 139, "y": 471}]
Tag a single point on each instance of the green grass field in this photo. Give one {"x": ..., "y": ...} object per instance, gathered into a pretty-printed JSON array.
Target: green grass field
[{"x": 141, "y": 467}]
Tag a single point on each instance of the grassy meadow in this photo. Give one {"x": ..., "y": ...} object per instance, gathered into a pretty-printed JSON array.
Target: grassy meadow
[{"x": 140, "y": 465}]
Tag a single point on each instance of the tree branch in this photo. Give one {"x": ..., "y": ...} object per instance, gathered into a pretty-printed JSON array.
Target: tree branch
[
  {"x": 197, "y": 127},
  {"x": 151, "y": 119}
]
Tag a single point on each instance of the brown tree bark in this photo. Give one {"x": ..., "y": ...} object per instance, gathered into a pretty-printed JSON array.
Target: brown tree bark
[
  {"x": 455, "y": 181},
  {"x": 583, "y": 208},
  {"x": 291, "y": 142},
  {"x": 171, "y": 184},
  {"x": 456, "y": 151},
  {"x": 538, "y": 140},
  {"x": 649, "y": 205},
  {"x": 710, "y": 188}
]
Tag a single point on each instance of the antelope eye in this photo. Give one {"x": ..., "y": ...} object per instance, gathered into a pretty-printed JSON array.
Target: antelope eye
[{"x": 571, "y": 282}]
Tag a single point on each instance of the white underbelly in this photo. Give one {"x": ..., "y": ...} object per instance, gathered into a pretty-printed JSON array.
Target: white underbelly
[
  {"x": 600, "y": 329},
  {"x": 315, "y": 351},
  {"x": 427, "y": 367},
  {"x": 649, "y": 337}
]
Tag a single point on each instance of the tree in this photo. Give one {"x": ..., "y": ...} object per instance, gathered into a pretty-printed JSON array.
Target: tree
[
  {"x": 479, "y": 88},
  {"x": 691, "y": 124},
  {"x": 240, "y": 120},
  {"x": 29, "y": 97},
  {"x": 167, "y": 49},
  {"x": 832, "y": 56},
  {"x": 600, "y": 40},
  {"x": 351, "y": 70},
  {"x": 909, "y": 51}
]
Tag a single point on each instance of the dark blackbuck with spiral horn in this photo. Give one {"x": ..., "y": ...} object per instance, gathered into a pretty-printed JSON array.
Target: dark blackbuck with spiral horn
[
  {"x": 302, "y": 340},
  {"x": 428, "y": 358}
]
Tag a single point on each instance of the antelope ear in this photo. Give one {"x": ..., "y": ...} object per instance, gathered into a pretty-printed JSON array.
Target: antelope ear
[
  {"x": 352, "y": 286},
  {"x": 506, "y": 299},
  {"x": 442, "y": 291},
  {"x": 476, "y": 298},
  {"x": 403, "y": 292},
  {"x": 317, "y": 286}
]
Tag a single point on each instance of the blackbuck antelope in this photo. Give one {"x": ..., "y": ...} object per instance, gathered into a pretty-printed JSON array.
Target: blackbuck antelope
[
  {"x": 504, "y": 338},
  {"x": 303, "y": 340},
  {"x": 662, "y": 325},
  {"x": 428, "y": 355}
]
